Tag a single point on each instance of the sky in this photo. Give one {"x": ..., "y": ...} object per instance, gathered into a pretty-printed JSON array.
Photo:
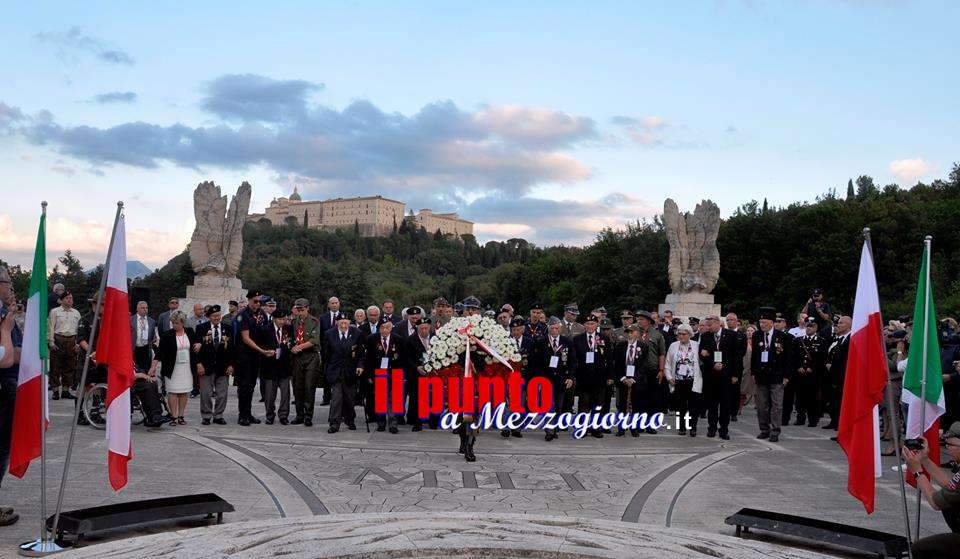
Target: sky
[{"x": 543, "y": 120}]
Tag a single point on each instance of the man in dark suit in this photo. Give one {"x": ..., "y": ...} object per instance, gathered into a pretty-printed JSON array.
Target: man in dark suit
[
  {"x": 144, "y": 336},
  {"x": 163, "y": 321},
  {"x": 328, "y": 320},
  {"x": 627, "y": 371},
  {"x": 733, "y": 324},
  {"x": 592, "y": 375},
  {"x": 556, "y": 360},
  {"x": 770, "y": 365},
  {"x": 416, "y": 349},
  {"x": 408, "y": 327},
  {"x": 384, "y": 351},
  {"x": 341, "y": 355},
  {"x": 836, "y": 369},
  {"x": 215, "y": 366},
  {"x": 721, "y": 366},
  {"x": 389, "y": 314},
  {"x": 275, "y": 370},
  {"x": 526, "y": 348}
]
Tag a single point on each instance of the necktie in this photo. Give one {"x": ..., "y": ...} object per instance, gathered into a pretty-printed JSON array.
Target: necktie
[
  {"x": 590, "y": 340},
  {"x": 216, "y": 334},
  {"x": 767, "y": 340},
  {"x": 343, "y": 336},
  {"x": 631, "y": 354},
  {"x": 143, "y": 331},
  {"x": 553, "y": 342}
]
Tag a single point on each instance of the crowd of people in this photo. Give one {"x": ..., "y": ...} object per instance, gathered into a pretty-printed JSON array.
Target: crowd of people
[{"x": 705, "y": 368}]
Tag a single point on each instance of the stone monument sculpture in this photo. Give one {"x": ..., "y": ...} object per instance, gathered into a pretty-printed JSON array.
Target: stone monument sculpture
[
  {"x": 216, "y": 246},
  {"x": 694, "y": 264}
]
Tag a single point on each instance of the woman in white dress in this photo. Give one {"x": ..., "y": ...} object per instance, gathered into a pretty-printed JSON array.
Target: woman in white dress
[
  {"x": 682, "y": 369},
  {"x": 178, "y": 362}
]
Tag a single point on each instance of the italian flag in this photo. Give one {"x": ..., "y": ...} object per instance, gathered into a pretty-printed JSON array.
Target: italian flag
[
  {"x": 25, "y": 445},
  {"x": 114, "y": 350},
  {"x": 929, "y": 403},
  {"x": 863, "y": 388}
]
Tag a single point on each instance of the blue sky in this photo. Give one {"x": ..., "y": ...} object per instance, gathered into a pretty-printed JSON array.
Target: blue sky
[{"x": 546, "y": 120}]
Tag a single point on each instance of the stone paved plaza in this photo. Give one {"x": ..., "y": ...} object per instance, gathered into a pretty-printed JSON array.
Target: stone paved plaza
[{"x": 272, "y": 473}]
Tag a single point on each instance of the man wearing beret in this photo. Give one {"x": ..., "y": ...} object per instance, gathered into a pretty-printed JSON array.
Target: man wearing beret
[
  {"x": 620, "y": 334},
  {"x": 408, "y": 327},
  {"x": 253, "y": 329},
  {"x": 556, "y": 360},
  {"x": 417, "y": 347},
  {"x": 342, "y": 356},
  {"x": 304, "y": 361},
  {"x": 593, "y": 368},
  {"x": 770, "y": 364},
  {"x": 215, "y": 365}
]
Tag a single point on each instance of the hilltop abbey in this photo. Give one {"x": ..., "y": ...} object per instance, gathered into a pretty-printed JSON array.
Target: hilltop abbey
[{"x": 374, "y": 215}]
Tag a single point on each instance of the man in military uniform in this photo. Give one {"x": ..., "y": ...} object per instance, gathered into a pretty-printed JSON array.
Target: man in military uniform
[
  {"x": 626, "y": 320},
  {"x": 304, "y": 361},
  {"x": 471, "y": 306},
  {"x": 215, "y": 366},
  {"x": 442, "y": 313},
  {"x": 593, "y": 368},
  {"x": 733, "y": 324},
  {"x": 556, "y": 360},
  {"x": 384, "y": 351},
  {"x": 836, "y": 368},
  {"x": 253, "y": 327},
  {"x": 667, "y": 328},
  {"x": 536, "y": 324},
  {"x": 770, "y": 365},
  {"x": 809, "y": 359},
  {"x": 721, "y": 367},
  {"x": 654, "y": 393},
  {"x": 694, "y": 323},
  {"x": 417, "y": 347},
  {"x": 626, "y": 370},
  {"x": 233, "y": 309},
  {"x": 570, "y": 326},
  {"x": 63, "y": 323},
  {"x": 343, "y": 368}
]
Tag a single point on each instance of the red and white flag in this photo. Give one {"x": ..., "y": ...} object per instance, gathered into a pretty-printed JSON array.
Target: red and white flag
[
  {"x": 114, "y": 350},
  {"x": 863, "y": 388}
]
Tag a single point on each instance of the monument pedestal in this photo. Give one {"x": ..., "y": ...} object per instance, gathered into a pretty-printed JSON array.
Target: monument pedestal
[
  {"x": 212, "y": 290},
  {"x": 685, "y": 305}
]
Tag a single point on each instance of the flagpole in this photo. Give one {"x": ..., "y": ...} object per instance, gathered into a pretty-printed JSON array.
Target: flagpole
[
  {"x": 895, "y": 423},
  {"x": 86, "y": 366},
  {"x": 43, "y": 546},
  {"x": 923, "y": 375}
]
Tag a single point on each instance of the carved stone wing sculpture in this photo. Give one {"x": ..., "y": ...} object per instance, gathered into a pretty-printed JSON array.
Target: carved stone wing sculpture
[
  {"x": 217, "y": 242},
  {"x": 694, "y": 265}
]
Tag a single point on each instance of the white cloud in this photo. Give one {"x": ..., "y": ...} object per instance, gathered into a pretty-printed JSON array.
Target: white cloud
[
  {"x": 910, "y": 170},
  {"x": 502, "y": 230}
]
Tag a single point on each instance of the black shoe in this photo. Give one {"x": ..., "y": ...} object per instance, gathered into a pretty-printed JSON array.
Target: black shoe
[
  {"x": 763, "y": 436},
  {"x": 834, "y": 439},
  {"x": 56, "y": 395},
  {"x": 774, "y": 438},
  {"x": 284, "y": 421},
  {"x": 254, "y": 420},
  {"x": 597, "y": 434},
  {"x": 244, "y": 422},
  {"x": 733, "y": 418},
  {"x": 469, "y": 455},
  {"x": 693, "y": 432},
  {"x": 381, "y": 428},
  {"x": 711, "y": 433},
  {"x": 605, "y": 431},
  {"x": 813, "y": 423},
  {"x": 417, "y": 428},
  {"x": 516, "y": 434},
  {"x": 683, "y": 432},
  {"x": 549, "y": 437},
  {"x": 325, "y": 403},
  {"x": 352, "y": 426},
  {"x": 800, "y": 420},
  {"x": 205, "y": 421},
  {"x": 333, "y": 429},
  {"x": 634, "y": 433},
  {"x": 195, "y": 392},
  {"x": 620, "y": 432},
  {"x": 308, "y": 422},
  {"x": 830, "y": 425},
  {"x": 269, "y": 421},
  {"x": 725, "y": 436},
  {"x": 505, "y": 433},
  {"x": 220, "y": 421},
  {"x": 66, "y": 395},
  {"x": 401, "y": 421},
  {"x": 393, "y": 430},
  {"x": 297, "y": 421},
  {"x": 463, "y": 444},
  {"x": 651, "y": 431}
]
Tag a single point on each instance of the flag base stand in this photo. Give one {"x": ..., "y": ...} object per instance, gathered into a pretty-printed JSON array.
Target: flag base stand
[{"x": 38, "y": 548}]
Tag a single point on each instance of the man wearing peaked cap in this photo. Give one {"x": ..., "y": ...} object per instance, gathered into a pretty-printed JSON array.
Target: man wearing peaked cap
[
  {"x": 570, "y": 325},
  {"x": 807, "y": 370},
  {"x": 342, "y": 358},
  {"x": 471, "y": 306},
  {"x": 215, "y": 365},
  {"x": 770, "y": 366},
  {"x": 626, "y": 319}
]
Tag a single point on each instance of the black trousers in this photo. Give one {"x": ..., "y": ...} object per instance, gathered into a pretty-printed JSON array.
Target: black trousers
[
  {"x": 248, "y": 369},
  {"x": 411, "y": 398},
  {"x": 149, "y": 397},
  {"x": 716, "y": 401},
  {"x": 938, "y": 546},
  {"x": 652, "y": 400},
  {"x": 734, "y": 394},
  {"x": 801, "y": 393},
  {"x": 685, "y": 401},
  {"x": 8, "y": 397},
  {"x": 590, "y": 397},
  {"x": 341, "y": 403}
]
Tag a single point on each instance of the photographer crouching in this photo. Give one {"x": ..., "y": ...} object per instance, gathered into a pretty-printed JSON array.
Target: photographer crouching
[{"x": 946, "y": 499}]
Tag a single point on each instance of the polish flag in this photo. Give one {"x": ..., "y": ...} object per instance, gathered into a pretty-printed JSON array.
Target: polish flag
[
  {"x": 114, "y": 350},
  {"x": 863, "y": 388}
]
